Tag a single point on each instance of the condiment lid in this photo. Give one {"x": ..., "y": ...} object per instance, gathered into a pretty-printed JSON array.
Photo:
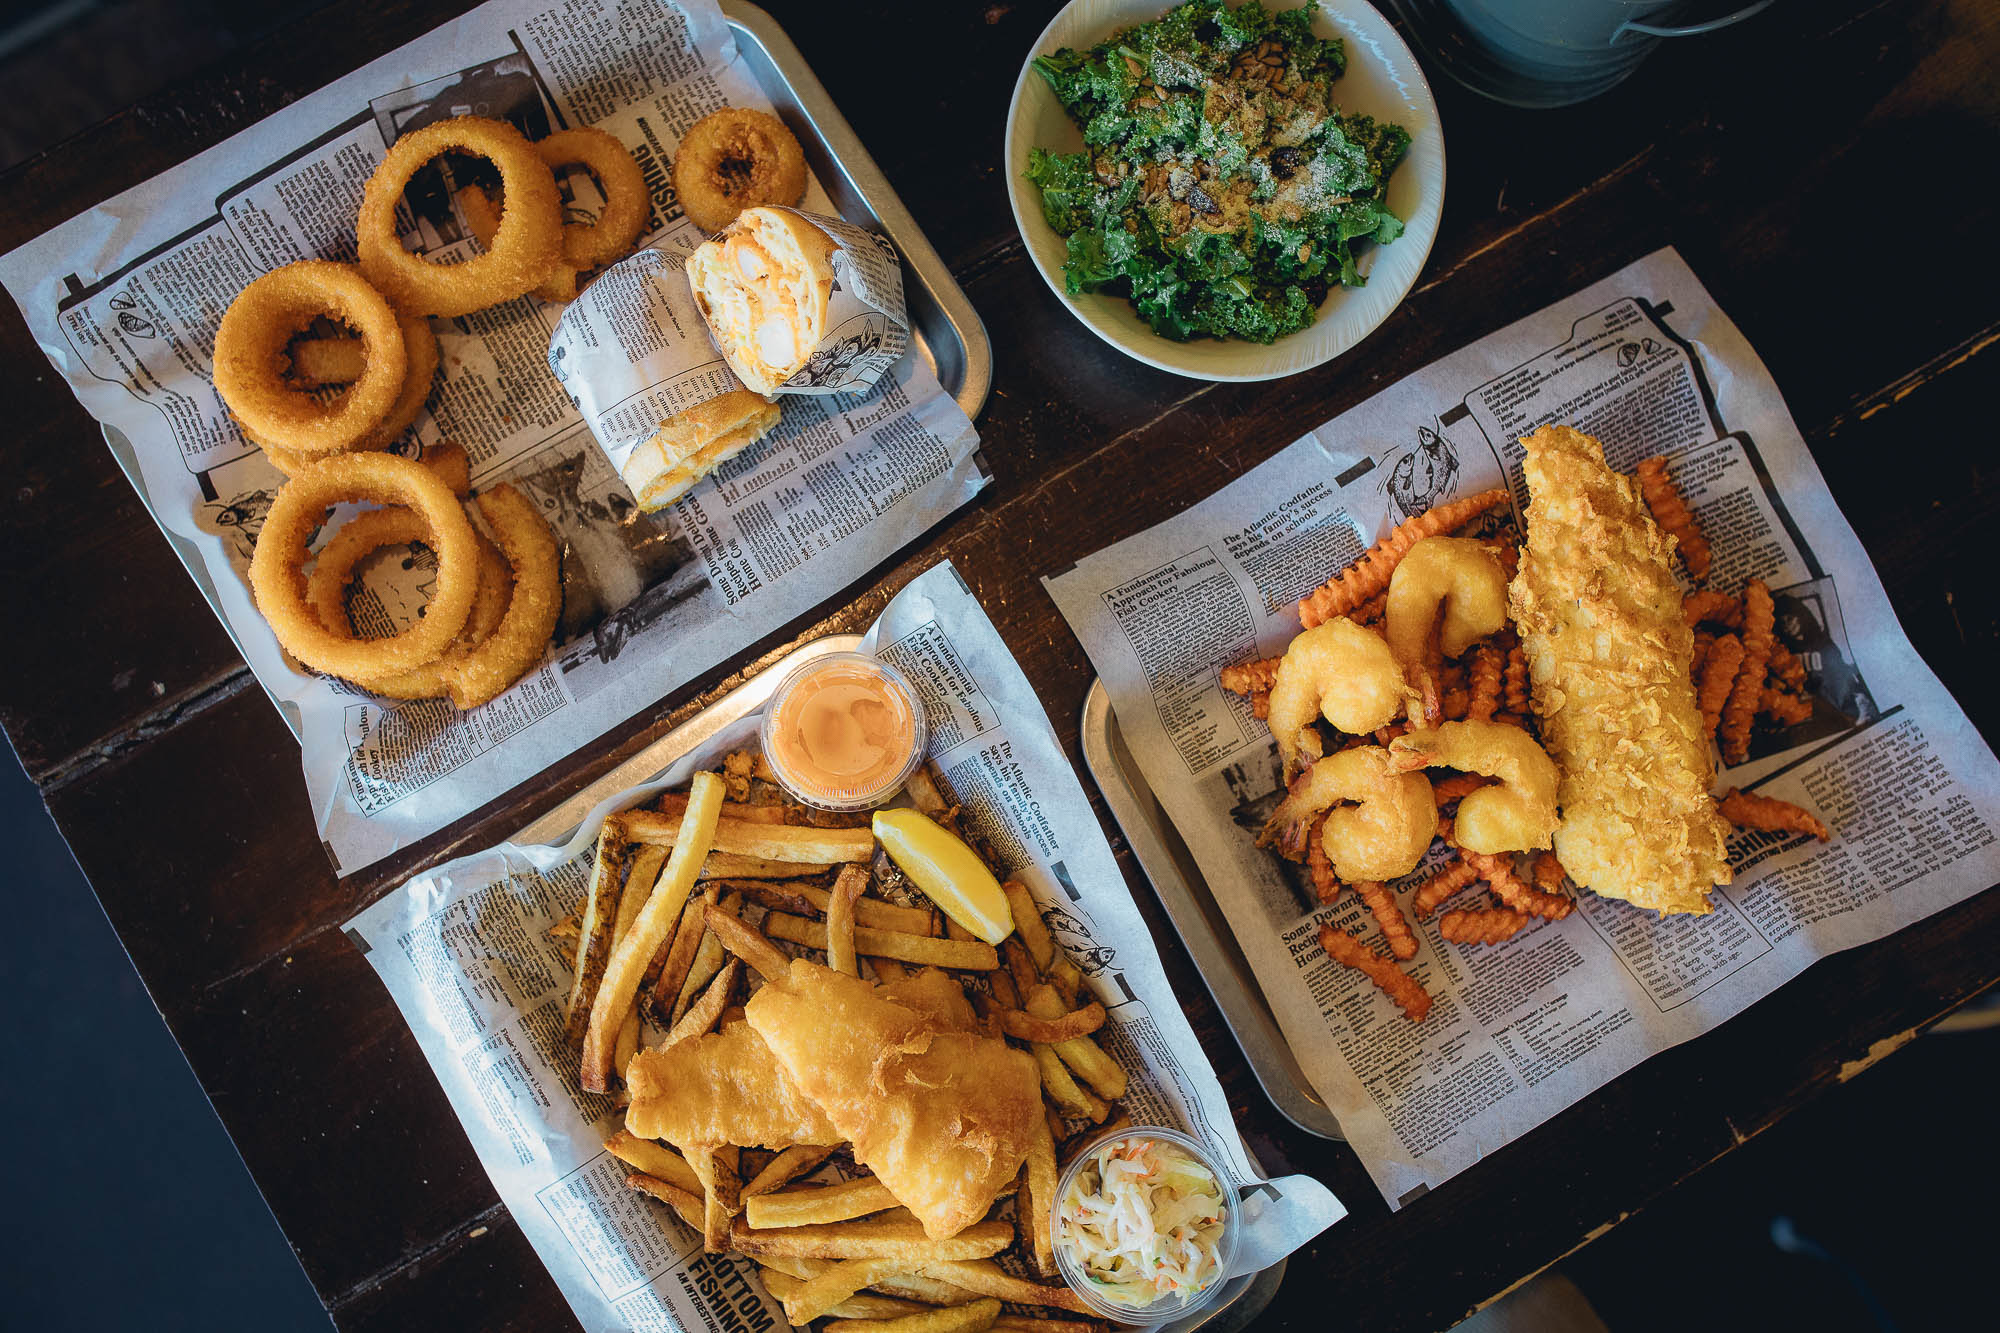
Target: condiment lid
[
  {"x": 1168, "y": 1307},
  {"x": 815, "y": 785}
]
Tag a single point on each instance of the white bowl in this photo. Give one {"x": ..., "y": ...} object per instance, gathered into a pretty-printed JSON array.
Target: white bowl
[{"x": 1382, "y": 80}]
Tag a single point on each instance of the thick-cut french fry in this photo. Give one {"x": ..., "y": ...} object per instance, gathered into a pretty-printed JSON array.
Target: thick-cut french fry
[
  {"x": 803, "y": 899},
  {"x": 620, "y": 985},
  {"x": 968, "y": 955},
  {"x": 567, "y": 929},
  {"x": 861, "y": 1305},
  {"x": 673, "y": 961},
  {"x": 989, "y": 1279},
  {"x": 684, "y": 1202},
  {"x": 895, "y": 1235},
  {"x": 929, "y": 1290},
  {"x": 1077, "y": 1023},
  {"x": 1080, "y": 1053},
  {"x": 1004, "y": 994},
  {"x": 703, "y": 1013},
  {"x": 770, "y": 842},
  {"x": 1020, "y": 1323},
  {"x": 1028, "y": 923},
  {"x": 709, "y": 955},
  {"x": 716, "y": 1169},
  {"x": 1020, "y": 965},
  {"x": 655, "y": 1159},
  {"x": 725, "y": 865},
  {"x": 976, "y": 1317},
  {"x": 1064, "y": 976},
  {"x": 786, "y": 1167},
  {"x": 888, "y": 969},
  {"x": 599, "y": 915},
  {"x": 924, "y": 793},
  {"x": 847, "y": 887},
  {"x": 743, "y": 940},
  {"x": 675, "y": 802},
  {"x": 1039, "y": 1175},
  {"x": 815, "y": 1297},
  {"x": 824, "y": 1203},
  {"x": 1062, "y": 1088},
  {"x": 639, "y": 882}
]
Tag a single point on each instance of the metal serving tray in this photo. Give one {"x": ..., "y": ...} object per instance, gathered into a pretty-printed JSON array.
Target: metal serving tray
[
  {"x": 947, "y": 331},
  {"x": 1178, "y": 883},
  {"x": 1241, "y": 1301}
]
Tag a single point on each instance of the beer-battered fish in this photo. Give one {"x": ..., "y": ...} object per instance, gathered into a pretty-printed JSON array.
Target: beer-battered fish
[
  {"x": 721, "y": 1088},
  {"x": 942, "y": 1114},
  {"x": 1599, "y": 614}
]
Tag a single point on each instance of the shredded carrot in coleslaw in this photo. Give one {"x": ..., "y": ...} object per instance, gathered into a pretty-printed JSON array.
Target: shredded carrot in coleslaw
[{"x": 1143, "y": 1220}]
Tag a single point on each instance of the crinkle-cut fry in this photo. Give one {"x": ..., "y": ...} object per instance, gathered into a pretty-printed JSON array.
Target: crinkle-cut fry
[
  {"x": 786, "y": 1167},
  {"x": 1450, "y": 880},
  {"x": 1249, "y": 677},
  {"x": 1517, "y": 677},
  {"x": 1260, "y": 705},
  {"x": 1499, "y": 872},
  {"x": 1713, "y": 608},
  {"x": 1486, "y": 925},
  {"x": 975, "y": 1317},
  {"x": 1549, "y": 873},
  {"x": 1784, "y": 708},
  {"x": 1396, "y": 931},
  {"x": 1740, "y": 712},
  {"x": 1326, "y": 884},
  {"x": 1345, "y": 949},
  {"x": 1787, "y": 668},
  {"x": 1704, "y": 643},
  {"x": 1717, "y": 679},
  {"x": 1485, "y": 680},
  {"x": 1457, "y": 786},
  {"x": 686, "y": 1203},
  {"x": 1749, "y": 810},
  {"x": 1670, "y": 511},
  {"x": 1368, "y": 577}
]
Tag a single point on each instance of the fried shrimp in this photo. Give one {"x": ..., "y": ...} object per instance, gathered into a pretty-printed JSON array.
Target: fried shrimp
[
  {"x": 1378, "y": 825},
  {"x": 1354, "y": 587},
  {"x": 1338, "y": 671},
  {"x": 1459, "y": 576},
  {"x": 1516, "y": 814}
]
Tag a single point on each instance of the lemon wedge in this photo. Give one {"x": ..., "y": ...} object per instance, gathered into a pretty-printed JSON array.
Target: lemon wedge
[{"x": 949, "y": 872}]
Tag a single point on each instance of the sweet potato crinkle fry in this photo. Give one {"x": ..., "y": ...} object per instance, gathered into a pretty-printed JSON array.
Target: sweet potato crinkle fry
[
  {"x": 1670, "y": 511},
  {"x": 1787, "y": 669},
  {"x": 1506, "y": 882},
  {"x": 1396, "y": 931},
  {"x": 1484, "y": 683},
  {"x": 1740, "y": 712},
  {"x": 1489, "y": 925},
  {"x": 1787, "y": 710},
  {"x": 1718, "y": 677},
  {"x": 1709, "y": 607},
  {"x": 1749, "y": 810},
  {"x": 1251, "y": 677},
  {"x": 1449, "y": 881},
  {"x": 1517, "y": 678},
  {"x": 1410, "y": 997},
  {"x": 1368, "y": 577}
]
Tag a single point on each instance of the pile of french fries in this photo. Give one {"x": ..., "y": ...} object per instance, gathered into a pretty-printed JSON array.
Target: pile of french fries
[{"x": 689, "y": 897}]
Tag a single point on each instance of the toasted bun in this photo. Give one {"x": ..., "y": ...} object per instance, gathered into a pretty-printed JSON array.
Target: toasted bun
[
  {"x": 688, "y": 447},
  {"x": 763, "y": 285}
]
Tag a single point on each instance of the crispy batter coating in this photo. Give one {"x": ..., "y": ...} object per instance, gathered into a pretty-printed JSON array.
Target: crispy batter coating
[
  {"x": 1457, "y": 578},
  {"x": 1368, "y": 577},
  {"x": 1339, "y": 671},
  {"x": 1488, "y": 925},
  {"x": 1395, "y": 930},
  {"x": 1260, "y": 705},
  {"x": 1748, "y": 810},
  {"x": 1451, "y": 879},
  {"x": 1740, "y": 712},
  {"x": 1718, "y": 675},
  {"x": 1382, "y": 835},
  {"x": 1599, "y": 612},
  {"x": 1670, "y": 511},
  {"x": 1517, "y": 813},
  {"x": 1410, "y": 997}
]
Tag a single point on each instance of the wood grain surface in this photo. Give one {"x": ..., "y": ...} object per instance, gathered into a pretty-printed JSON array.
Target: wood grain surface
[{"x": 1821, "y": 170}]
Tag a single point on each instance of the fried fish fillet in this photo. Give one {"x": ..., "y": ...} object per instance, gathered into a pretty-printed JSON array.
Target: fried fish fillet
[
  {"x": 1599, "y": 614},
  {"x": 721, "y": 1088},
  {"x": 942, "y": 1114}
]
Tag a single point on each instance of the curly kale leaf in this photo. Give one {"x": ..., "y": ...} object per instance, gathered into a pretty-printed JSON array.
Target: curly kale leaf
[{"x": 1068, "y": 185}]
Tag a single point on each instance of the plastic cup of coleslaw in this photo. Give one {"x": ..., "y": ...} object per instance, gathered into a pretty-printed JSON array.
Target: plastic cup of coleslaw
[{"x": 1076, "y": 1243}]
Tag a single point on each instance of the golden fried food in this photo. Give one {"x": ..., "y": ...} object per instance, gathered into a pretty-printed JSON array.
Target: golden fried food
[
  {"x": 1382, "y": 833},
  {"x": 724, "y": 1087},
  {"x": 764, "y": 285},
  {"x": 1739, "y": 714},
  {"x": 1504, "y": 878},
  {"x": 1748, "y": 810},
  {"x": 1398, "y": 985},
  {"x": 1670, "y": 511},
  {"x": 1446, "y": 883},
  {"x": 1484, "y": 926},
  {"x": 1457, "y": 576},
  {"x": 1341, "y": 672},
  {"x": 943, "y": 1115},
  {"x": 1367, "y": 578},
  {"x": 1719, "y": 668},
  {"x": 1599, "y": 612},
  {"x": 734, "y": 159},
  {"x": 1515, "y": 814},
  {"x": 1389, "y": 918}
]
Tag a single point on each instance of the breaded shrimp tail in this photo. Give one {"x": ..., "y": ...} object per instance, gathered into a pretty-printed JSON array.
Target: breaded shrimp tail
[{"x": 1609, "y": 654}]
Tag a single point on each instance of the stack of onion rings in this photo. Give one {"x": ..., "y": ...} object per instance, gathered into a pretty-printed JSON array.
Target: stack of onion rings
[
  {"x": 734, "y": 159},
  {"x": 251, "y": 358},
  {"x": 627, "y": 205},
  {"x": 526, "y": 244},
  {"x": 330, "y": 361}
]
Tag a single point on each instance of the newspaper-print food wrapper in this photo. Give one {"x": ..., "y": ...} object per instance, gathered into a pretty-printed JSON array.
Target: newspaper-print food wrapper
[
  {"x": 1647, "y": 362},
  {"x": 867, "y": 324},
  {"x": 465, "y": 951},
  {"x": 126, "y": 298}
]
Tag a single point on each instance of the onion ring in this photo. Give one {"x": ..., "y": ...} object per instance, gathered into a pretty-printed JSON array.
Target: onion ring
[
  {"x": 361, "y": 537},
  {"x": 421, "y": 372},
  {"x": 277, "y": 577},
  {"x": 525, "y": 246},
  {"x": 320, "y": 361},
  {"x": 734, "y": 159},
  {"x": 250, "y": 357},
  {"x": 627, "y": 201},
  {"x": 482, "y": 215},
  {"x": 522, "y": 639}
]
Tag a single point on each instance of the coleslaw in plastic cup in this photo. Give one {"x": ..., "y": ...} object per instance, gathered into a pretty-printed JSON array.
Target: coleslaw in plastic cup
[{"x": 1145, "y": 1225}]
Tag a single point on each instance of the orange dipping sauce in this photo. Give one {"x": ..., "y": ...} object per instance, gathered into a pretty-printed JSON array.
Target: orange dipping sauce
[{"x": 844, "y": 731}]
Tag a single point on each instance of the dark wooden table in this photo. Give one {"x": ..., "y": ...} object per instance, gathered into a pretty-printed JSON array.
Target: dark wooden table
[{"x": 1822, "y": 168}]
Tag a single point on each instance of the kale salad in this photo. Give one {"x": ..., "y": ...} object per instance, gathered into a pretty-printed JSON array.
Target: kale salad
[{"x": 1221, "y": 188}]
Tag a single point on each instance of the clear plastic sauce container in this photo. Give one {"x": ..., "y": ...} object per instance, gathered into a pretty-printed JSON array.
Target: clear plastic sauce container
[
  {"x": 844, "y": 732},
  {"x": 1145, "y": 1225}
]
